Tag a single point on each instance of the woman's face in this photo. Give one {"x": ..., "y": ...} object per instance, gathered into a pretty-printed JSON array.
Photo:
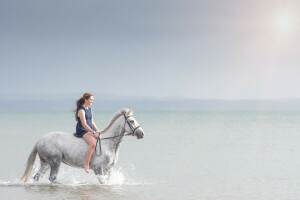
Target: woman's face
[{"x": 89, "y": 101}]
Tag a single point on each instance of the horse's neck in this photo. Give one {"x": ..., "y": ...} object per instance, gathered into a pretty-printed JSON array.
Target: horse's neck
[{"x": 116, "y": 130}]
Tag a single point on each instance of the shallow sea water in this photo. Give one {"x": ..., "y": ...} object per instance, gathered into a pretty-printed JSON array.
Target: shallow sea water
[{"x": 184, "y": 155}]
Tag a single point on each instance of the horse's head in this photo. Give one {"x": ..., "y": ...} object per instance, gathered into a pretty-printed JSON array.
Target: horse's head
[{"x": 132, "y": 127}]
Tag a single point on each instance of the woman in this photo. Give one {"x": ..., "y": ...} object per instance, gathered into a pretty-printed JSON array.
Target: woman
[{"x": 86, "y": 127}]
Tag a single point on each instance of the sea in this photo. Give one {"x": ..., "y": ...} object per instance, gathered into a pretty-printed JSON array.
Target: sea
[{"x": 209, "y": 155}]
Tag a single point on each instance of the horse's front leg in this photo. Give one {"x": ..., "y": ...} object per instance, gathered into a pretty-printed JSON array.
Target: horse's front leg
[{"x": 100, "y": 175}]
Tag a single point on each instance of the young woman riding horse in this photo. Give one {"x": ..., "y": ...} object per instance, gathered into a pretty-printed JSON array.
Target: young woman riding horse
[{"x": 86, "y": 127}]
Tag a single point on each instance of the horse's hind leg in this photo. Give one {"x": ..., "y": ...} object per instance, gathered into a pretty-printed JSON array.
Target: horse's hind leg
[
  {"x": 43, "y": 168},
  {"x": 54, "y": 165}
]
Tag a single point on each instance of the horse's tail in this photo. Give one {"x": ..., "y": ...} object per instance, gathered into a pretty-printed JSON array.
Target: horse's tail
[{"x": 30, "y": 163}]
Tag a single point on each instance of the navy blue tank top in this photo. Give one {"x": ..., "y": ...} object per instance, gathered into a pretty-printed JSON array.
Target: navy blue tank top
[{"x": 80, "y": 130}]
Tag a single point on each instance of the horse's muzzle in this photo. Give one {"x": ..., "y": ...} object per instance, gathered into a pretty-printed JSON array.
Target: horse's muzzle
[{"x": 140, "y": 133}]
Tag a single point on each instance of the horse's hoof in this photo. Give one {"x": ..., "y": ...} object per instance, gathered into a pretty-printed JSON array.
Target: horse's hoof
[
  {"x": 102, "y": 180},
  {"x": 55, "y": 182}
]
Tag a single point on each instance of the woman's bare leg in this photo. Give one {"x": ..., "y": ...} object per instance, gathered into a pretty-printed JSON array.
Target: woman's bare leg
[{"x": 91, "y": 140}]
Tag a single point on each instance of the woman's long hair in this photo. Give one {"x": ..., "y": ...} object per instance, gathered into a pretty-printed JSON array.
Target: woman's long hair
[{"x": 81, "y": 101}]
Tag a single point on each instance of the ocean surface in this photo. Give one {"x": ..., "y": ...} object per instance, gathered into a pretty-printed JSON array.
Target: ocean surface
[{"x": 226, "y": 155}]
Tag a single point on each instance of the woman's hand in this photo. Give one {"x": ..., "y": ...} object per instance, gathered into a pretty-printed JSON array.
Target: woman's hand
[{"x": 96, "y": 135}]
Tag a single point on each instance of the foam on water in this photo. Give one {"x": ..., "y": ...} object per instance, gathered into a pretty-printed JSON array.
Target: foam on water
[{"x": 69, "y": 176}]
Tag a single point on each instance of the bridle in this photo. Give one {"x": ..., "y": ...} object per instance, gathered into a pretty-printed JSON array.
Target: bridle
[{"x": 131, "y": 127}]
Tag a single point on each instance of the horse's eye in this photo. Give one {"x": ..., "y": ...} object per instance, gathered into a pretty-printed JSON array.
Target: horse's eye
[{"x": 131, "y": 121}]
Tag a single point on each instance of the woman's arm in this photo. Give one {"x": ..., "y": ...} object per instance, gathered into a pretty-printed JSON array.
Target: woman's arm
[
  {"x": 81, "y": 115},
  {"x": 93, "y": 123}
]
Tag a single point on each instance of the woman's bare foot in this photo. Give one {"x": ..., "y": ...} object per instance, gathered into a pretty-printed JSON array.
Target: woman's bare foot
[{"x": 87, "y": 169}]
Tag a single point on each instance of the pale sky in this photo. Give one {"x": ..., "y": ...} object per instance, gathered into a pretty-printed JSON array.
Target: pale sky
[{"x": 221, "y": 49}]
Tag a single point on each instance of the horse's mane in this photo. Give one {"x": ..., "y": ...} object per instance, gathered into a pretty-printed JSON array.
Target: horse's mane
[{"x": 118, "y": 114}]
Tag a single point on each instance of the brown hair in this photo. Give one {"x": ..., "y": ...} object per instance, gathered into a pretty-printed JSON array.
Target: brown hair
[{"x": 81, "y": 101}]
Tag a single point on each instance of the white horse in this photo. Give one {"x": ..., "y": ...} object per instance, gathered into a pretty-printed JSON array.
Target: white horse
[{"x": 56, "y": 147}]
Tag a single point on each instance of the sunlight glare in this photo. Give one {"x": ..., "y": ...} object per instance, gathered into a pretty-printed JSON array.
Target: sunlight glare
[{"x": 284, "y": 22}]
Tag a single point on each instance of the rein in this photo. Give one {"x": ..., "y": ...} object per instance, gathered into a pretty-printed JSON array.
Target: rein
[{"x": 99, "y": 139}]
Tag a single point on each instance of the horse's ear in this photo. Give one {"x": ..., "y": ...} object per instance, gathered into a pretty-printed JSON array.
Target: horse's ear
[{"x": 130, "y": 111}]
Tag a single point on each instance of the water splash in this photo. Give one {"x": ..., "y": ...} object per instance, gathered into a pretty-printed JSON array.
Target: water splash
[{"x": 69, "y": 176}]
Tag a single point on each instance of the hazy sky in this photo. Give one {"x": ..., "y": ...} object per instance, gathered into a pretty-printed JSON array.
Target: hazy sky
[{"x": 221, "y": 49}]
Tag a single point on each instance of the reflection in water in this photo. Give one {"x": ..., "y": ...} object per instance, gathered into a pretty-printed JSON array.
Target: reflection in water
[{"x": 73, "y": 192}]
